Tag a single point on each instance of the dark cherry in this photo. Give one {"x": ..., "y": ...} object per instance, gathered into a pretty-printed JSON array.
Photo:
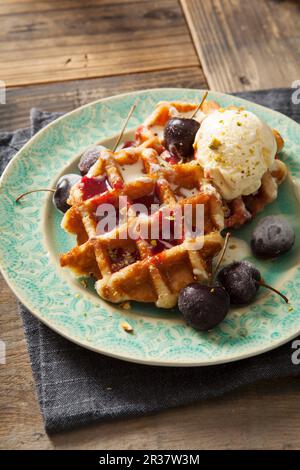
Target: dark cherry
[
  {"x": 242, "y": 279},
  {"x": 62, "y": 191},
  {"x": 179, "y": 136},
  {"x": 203, "y": 307},
  {"x": 89, "y": 158},
  {"x": 273, "y": 236}
]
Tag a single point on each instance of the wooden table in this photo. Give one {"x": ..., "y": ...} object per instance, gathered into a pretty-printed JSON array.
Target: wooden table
[{"x": 60, "y": 54}]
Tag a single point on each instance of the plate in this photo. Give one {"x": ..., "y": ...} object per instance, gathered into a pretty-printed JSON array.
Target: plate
[{"x": 31, "y": 240}]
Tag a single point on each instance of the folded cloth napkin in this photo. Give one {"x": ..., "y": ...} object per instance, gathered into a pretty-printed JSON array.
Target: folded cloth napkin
[{"x": 76, "y": 386}]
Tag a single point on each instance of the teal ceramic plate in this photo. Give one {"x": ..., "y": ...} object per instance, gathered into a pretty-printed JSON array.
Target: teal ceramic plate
[{"x": 31, "y": 240}]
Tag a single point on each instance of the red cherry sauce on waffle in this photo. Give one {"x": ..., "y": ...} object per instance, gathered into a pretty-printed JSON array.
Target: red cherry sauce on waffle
[
  {"x": 162, "y": 243},
  {"x": 170, "y": 158},
  {"x": 149, "y": 200},
  {"x": 93, "y": 186},
  {"x": 129, "y": 143}
]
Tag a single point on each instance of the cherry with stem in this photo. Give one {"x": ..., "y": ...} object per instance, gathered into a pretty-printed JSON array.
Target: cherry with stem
[{"x": 53, "y": 190}]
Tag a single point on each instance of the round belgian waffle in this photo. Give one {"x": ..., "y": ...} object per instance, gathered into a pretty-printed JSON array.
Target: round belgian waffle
[{"x": 145, "y": 269}]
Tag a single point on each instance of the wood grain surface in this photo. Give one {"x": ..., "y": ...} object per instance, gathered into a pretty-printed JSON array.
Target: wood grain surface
[
  {"x": 56, "y": 41},
  {"x": 246, "y": 45},
  {"x": 54, "y": 47},
  {"x": 66, "y": 96}
]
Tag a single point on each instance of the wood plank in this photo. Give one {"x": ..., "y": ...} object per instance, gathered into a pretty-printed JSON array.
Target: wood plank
[
  {"x": 65, "y": 96},
  {"x": 75, "y": 40},
  {"x": 19, "y": 408},
  {"x": 28, "y": 6},
  {"x": 246, "y": 45}
]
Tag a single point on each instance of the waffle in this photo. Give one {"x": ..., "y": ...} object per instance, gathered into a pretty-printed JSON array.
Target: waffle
[
  {"x": 242, "y": 209},
  {"x": 239, "y": 210},
  {"x": 144, "y": 270},
  {"x": 153, "y": 126}
]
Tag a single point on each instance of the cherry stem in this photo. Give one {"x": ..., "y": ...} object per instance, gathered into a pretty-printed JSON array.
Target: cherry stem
[
  {"x": 199, "y": 105},
  {"x": 114, "y": 149},
  {"x": 34, "y": 191},
  {"x": 221, "y": 256},
  {"x": 124, "y": 126},
  {"x": 261, "y": 283}
]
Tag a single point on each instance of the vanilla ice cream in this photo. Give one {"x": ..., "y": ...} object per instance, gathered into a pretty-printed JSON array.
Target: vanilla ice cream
[{"x": 235, "y": 148}]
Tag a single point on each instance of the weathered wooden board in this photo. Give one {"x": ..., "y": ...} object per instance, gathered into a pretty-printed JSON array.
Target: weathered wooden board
[
  {"x": 246, "y": 45},
  {"x": 44, "y": 41},
  {"x": 65, "y": 96}
]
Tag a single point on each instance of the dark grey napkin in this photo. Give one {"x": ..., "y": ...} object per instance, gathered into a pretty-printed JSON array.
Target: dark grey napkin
[{"x": 77, "y": 387}]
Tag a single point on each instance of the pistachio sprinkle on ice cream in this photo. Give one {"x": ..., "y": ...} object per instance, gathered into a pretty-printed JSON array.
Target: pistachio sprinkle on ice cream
[{"x": 235, "y": 148}]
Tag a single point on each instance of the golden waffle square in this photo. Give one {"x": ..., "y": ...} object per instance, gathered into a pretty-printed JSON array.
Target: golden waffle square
[{"x": 144, "y": 270}]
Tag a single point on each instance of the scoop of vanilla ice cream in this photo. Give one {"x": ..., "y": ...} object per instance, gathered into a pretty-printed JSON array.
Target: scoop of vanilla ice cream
[{"x": 235, "y": 148}]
